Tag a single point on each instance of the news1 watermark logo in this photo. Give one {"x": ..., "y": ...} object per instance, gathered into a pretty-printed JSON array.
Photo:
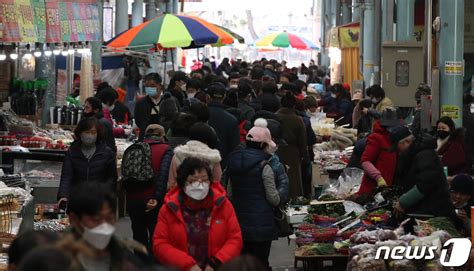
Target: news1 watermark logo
[{"x": 460, "y": 249}]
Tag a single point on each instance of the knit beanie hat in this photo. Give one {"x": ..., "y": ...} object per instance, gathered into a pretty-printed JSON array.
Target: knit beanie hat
[
  {"x": 399, "y": 133},
  {"x": 260, "y": 133},
  {"x": 463, "y": 184}
]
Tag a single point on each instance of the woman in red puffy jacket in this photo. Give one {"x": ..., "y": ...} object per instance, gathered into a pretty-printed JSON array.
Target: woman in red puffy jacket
[
  {"x": 379, "y": 160},
  {"x": 197, "y": 227}
]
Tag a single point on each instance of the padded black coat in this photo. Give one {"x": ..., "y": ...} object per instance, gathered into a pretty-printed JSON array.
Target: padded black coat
[{"x": 101, "y": 168}]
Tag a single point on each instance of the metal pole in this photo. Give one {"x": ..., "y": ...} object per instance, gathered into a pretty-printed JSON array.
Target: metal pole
[
  {"x": 70, "y": 73},
  {"x": 328, "y": 25},
  {"x": 162, "y": 6},
  {"x": 137, "y": 12},
  {"x": 346, "y": 11},
  {"x": 322, "y": 37},
  {"x": 361, "y": 43},
  {"x": 387, "y": 20},
  {"x": 175, "y": 6},
  {"x": 405, "y": 20},
  {"x": 121, "y": 16},
  {"x": 46, "y": 69},
  {"x": 357, "y": 12},
  {"x": 150, "y": 10},
  {"x": 368, "y": 41},
  {"x": 428, "y": 40},
  {"x": 337, "y": 12},
  {"x": 96, "y": 46},
  {"x": 377, "y": 40},
  {"x": 451, "y": 50}
]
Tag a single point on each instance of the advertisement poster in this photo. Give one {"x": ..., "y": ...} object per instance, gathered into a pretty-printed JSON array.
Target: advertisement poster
[
  {"x": 39, "y": 9},
  {"x": 26, "y": 21},
  {"x": 9, "y": 14},
  {"x": 42, "y": 21},
  {"x": 349, "y": 36},
  {"x": 79, "y": 21},
  {"x": 53, "y": 27}
]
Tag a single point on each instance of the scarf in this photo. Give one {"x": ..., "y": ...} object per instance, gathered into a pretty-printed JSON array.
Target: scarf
[{"x": 194, "y": 205}]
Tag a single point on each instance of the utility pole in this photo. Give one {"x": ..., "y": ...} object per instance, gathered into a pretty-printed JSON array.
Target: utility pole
[
  {"x": 450, "y": 55},
  {"x": 405, "y": 20},
  {"x": 369, "y": 61}
]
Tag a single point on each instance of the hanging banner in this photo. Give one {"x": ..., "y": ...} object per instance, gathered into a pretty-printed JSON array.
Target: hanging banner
[
  {"x": 26, "y": 21},
  {"x": 17, "y": 21},
  {"x": 79, "y": 20},
  {"x": 349, "y": 37},
  {"x": 39, "y": 9},
  {"x": 9, "y": 27},
  {"x": 53, "y": 27}
]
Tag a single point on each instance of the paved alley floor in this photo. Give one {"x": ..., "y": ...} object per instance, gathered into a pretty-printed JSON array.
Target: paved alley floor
[{"x": 281, "y": 255}]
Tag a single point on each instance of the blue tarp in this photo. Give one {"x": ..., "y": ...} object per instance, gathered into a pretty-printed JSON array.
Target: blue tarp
[{"x": 108, "y": 62}]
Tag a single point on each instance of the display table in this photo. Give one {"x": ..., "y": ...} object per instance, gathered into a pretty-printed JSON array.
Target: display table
[{"x": 318, "y": 262}]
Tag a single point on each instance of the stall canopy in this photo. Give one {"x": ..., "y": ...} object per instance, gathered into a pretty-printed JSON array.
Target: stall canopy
[
  {"x": 49, "y": 21},
  {"x": 173, "y": 31},
  {"x": 285, "y": 40}
]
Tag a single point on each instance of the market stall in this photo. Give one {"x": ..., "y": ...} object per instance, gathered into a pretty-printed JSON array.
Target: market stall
[
  {"x": 337, "y": 231},
  {"x": 338, "y": 228}
]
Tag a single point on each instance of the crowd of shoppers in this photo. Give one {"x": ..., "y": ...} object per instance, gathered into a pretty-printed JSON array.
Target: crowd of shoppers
[{"x": 227, "y": 146}]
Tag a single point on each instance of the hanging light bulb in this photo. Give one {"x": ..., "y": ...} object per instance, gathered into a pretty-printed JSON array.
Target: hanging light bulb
[
  {"x": 71, "y": 49},
  {"x": 14, "y": 54},
  {"x": 56, "y": 50},
  {"x": 37, "y": 52},
  {"x": 65, "y": 52},
  {"x": 28, "y": 54},
  {"x": 3, "y": 56},
  {"x": 48, "y": 52},
  {"x": 80, "y": 48},
  {"x": 87, "y": 49}
]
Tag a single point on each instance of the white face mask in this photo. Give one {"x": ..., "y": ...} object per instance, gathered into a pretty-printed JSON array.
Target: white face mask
[
  {"x": 233, "y": 86},
  {"x": 99, "y": 237},
  {"x": 191, "y": 95},
  {"x": 183, "y": 87},
  {"x": 197, "y": 190},
  {"x": 333, "y": 95}
]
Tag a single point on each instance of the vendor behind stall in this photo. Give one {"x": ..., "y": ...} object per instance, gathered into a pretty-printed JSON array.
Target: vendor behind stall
[
  {"x": 421, "y": 177},
  {"x": 461, "y": 194},
  {"x": 379, "y": 159}
]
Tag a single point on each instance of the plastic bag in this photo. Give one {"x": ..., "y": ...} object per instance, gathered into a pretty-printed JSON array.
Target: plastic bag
[
  {"x": 408, "y": 238},
  {"x": 350, "y": 206},
  {"x": 358, "y": 249},
  {"x": 349, "y": 182},
  {"x": 362, "y": 237},
  {"x": 391, "y": 244},
  {"x": 402, "y": 265},
  {"x": 384, "y": 235},
  {"x": 370, "y": 263}
]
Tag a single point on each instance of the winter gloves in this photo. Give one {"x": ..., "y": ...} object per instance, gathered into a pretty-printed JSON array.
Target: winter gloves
[{"x": 381, "y": 182}]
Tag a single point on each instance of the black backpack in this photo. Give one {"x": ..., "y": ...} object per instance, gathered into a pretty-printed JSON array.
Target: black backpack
[{"x": 136, "y": 163}]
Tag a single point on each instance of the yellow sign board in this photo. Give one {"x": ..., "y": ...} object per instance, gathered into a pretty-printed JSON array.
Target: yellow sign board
[
  {"x": 451, "y": 111},
  {"x": 453, "y": 68},
  {"x": 349, "y": 36}
]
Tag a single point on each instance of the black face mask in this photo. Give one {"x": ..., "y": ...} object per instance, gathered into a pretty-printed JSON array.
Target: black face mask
[
  {"x": 89, "y": 115},
  {"x": 443, "y": 134}
]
